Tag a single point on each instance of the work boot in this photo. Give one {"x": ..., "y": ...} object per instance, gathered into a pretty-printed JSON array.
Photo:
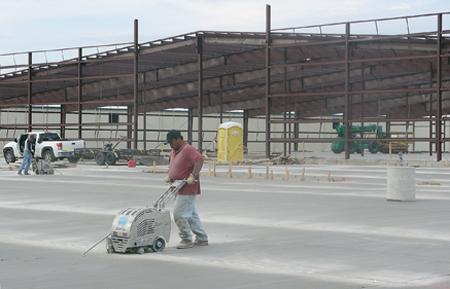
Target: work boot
[
  {"x": 27, "y": 174},
  {"x": 184, "y": 245},
  {"x": 19, "y": 173},
  {"x": 199, "y": 242}
]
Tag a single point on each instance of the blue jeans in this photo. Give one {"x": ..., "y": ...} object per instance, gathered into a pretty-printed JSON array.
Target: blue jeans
[
  {"x": 26, "y": 161},
  {"x": 187, "y": 219}
]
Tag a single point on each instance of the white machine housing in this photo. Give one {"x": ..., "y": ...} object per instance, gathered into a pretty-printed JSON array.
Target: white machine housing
[
  {"x": 137, "y": 229},
  {"x": 140, "y": 227}
]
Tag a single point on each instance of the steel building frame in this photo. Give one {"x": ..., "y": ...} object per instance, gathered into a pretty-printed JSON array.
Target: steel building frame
[
  {"x": 360, "y": 77},
  {"x": 411, "y": 71}
]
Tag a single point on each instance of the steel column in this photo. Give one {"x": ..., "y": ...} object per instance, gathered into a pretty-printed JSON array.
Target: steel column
[
  {"x": 63, "y": 118},
  {"x": 290, "y": 129},
  {"x": 285, "y": 103},
  {"x": 144, "y": 105},
  {"x": 190, "y": 125},
  {"x": 430, "y": 84},
  {"x": 438, "y": 90},
  {"x": 129, "y": 127},
  {"x": 245, "y": 128},
  {"x": 135, "y": 94},
  {"x": 80, "y": 92},
  {"x": 30, "y": 90},
  {"x": 200, "y": 92},
  {"x": 221, "y": 100},
  {"x": 347, "y": 97},
  {"x": 296, "y": 124},
  {"x": 268, "y": 102},
  {"x": 363, "y": 87}
]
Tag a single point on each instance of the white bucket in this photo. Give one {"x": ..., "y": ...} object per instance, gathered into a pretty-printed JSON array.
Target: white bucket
[{"x": 401, "y": 184}]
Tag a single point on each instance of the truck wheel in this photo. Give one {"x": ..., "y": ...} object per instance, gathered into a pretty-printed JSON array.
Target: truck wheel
[
  {"x": 100, "y": 158},
  {"x": 373, "y": 147},
  {"x": 111, "y": 158},
  {"x": 49, "y": 156},
  {"x": 73, "y": 160},
  {"x": 9, "y": 156}
]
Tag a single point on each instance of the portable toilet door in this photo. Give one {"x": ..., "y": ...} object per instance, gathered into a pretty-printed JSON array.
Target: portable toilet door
[{"x": 230, "y": 143}]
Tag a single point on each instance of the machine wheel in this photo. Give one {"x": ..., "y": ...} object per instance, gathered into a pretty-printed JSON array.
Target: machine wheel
[
  {"x": 111, "y": 158},
  {"x": 141, "y": 250},
  {"x": 352, "y": 147},
  {"x": 159, "y": 244},
  {"x": 73, "y": 160},
  {"x": 49, "y": 156},
  {"x": 373, "y": 147},
  {"x": 34, "y": 167},
  {"x": 9, "y": 156},
  {"x": 100, "y": 158},
  {"x": 109, "y": 246}
]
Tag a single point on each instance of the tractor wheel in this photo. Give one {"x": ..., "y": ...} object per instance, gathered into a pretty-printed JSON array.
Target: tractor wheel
[
  {"x": 352, "y": 147},
  {"x": 100, "y": 158},
  {"x": 373, "y": 147},
  {"x": 336, "y": 151}
]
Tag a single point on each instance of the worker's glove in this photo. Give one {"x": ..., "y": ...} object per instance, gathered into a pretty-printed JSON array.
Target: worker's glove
[
  {"x": 191, "y": 179},
  {"x": 167, "y": 179}
]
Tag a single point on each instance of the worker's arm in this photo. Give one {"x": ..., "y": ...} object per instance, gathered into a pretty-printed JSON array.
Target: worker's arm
[
  {"x": 197, "y": 168},
  {"x": 195, "y": 172}
]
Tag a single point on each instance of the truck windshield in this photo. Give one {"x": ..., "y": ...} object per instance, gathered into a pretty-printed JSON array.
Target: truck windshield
[{"x": 49, "y": 137}]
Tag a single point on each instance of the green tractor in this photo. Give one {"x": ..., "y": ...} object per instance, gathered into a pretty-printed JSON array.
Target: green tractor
[{"x": 339, "y": 146}]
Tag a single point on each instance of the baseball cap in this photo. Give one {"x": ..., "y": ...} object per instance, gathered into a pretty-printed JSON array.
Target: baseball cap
[{"x": 172, "y": 134}]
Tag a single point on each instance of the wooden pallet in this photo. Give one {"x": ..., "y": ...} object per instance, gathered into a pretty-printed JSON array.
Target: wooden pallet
[{"x": 396, "y": 147}]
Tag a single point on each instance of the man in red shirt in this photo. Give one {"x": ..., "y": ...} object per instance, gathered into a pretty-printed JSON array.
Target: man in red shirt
[{"x": 185, "y": 162}]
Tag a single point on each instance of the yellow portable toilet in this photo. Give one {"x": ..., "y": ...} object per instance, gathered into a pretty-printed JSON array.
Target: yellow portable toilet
[{"x": 229, "y": 148}]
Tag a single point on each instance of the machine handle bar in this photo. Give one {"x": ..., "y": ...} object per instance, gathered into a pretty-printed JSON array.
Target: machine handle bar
[{"x": 173, "y": 188}]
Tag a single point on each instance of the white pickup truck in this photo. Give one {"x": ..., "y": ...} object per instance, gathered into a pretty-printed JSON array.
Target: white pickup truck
[{"x": 48, "y": 146}]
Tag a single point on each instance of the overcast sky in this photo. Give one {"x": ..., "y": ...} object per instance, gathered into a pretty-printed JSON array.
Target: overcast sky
[{"x": 28, "y": 25}]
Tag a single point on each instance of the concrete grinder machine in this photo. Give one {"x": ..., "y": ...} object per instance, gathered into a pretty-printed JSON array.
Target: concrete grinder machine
[{"x": 137, "y": 229}]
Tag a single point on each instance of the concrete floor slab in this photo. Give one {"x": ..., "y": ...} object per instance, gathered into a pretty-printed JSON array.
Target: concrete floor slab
[{"x": 263, "y": 233}]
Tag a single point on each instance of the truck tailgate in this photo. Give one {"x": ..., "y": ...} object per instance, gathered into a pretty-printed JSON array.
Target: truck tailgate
[{"x": 71, "y": 145}]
